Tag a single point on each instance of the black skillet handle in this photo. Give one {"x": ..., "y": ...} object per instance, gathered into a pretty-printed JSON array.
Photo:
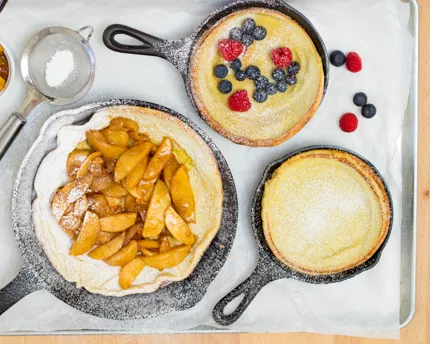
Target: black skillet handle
[
  {"x": 264, "y": 273},
  {"x": 24, "y": 284},
  {"x": 175, "y": 51}
]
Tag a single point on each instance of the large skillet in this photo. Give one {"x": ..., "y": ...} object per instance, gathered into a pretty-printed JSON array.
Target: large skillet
[
  {"x": 180, "y": 52},
  {"x": 38, "y": 273},
  {"x": 269, "y": 268}
]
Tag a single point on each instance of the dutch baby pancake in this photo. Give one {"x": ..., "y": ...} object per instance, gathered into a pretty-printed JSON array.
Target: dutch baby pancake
[
  {"x": 256, "y": 77},
  {"x": 325, "y": 212}
]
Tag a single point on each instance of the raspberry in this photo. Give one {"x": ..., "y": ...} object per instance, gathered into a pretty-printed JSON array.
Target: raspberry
[
  {"x": 230, "y": 49},
  {"x": 239, "y": 101},
  {"x": 348, "y": 123},
  {"x": 354, "y": 63},
  {"x": 282, "y": 57}
]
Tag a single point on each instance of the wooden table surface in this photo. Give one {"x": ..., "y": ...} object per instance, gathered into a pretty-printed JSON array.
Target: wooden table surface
[{"x": 418, "y": 332}]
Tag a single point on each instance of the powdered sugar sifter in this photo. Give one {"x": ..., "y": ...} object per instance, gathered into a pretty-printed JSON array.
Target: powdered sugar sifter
[{"x": 38, "y": 55}]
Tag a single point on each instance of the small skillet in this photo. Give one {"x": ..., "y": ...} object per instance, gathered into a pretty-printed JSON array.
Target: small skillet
[
  {"x": 269, "y": 268},
  {"x": 180, "y": 52}
]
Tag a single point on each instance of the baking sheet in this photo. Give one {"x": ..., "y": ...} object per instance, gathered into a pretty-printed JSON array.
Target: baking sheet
[{"x": 323, "y": 129}]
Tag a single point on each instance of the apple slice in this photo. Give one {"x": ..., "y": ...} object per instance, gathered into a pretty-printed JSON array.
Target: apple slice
[
  {"x": 136, "y": 175},
  {"x": 159, "y": 160},
  {"x": 152, "y": 244},
  {"x": 87, "y": 236},
  {"x": 130, "y": 159},
  {"x": 169, "y": 258},
  {"x": 83, "y": 170},
  {"x": 108, "y": 249},
  {"x": 182, "y": 195},
  {"x": 178, "y": 227},
  {"x": 116, "y": 137},
  {"x": 130, "y": 271},
  {"x": 75, "y": 160},
  {"x": 160, "y": 201},
  {"x": 115, "y": 191},
  {"x": 124, "y": 255},
  {"x": 133, "y": 232},
  {"x": 98, "y": 142},
  {"x": 118, "y": 223},
  {"x": 60, "y": 201},
  {"x": 169, "y": 170}
]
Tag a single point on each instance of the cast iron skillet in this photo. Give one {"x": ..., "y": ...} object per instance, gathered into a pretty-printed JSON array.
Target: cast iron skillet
[
  {"x": 179, "y": 52},
  {"x": 269, "y": 268},
  {"x": 38, "y": 273}
]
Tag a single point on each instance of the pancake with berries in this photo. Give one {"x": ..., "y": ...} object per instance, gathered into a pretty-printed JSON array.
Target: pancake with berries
[{"x": 256, "y": 77}]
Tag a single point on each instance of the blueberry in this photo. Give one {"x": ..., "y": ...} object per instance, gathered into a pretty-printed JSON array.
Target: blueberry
[
  {"x": 252, "y": 72},
  {"x": 225, "y": 86},
  {"x": 278, "y": 74},
  {"x": 368, "y": 111},
  {"x": 337, "y": 58},
  {"x": 235, "y": 64},
  {"x": 249, "y": 26},
  {"x": 282, "y": 86},
  {"x": 291, "y": 80},
  {"x": 360, "y": 99},
  {"x": 260, "y": 33},
  {"x": 220, "y": 71},
  {"x": 294, "y": 68},
  {"x": 271, "y": 89},
  {"x": 261, "y": 82},
  {"x": 236, "y": 34},
  {"x": 240, "y": 75},
  {"x": 260, "y": 96},
  {"x": 247, "y": 40}
]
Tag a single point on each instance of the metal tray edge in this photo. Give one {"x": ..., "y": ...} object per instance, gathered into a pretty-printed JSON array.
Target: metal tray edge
[{"x": 414, "y": 101}]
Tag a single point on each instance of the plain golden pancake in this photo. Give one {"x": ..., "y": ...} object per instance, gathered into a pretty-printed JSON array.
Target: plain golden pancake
[{"x": 325, "y": 211}]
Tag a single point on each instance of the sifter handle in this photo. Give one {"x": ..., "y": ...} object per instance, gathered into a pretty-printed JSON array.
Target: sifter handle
[{"x": 9, "y": 131}]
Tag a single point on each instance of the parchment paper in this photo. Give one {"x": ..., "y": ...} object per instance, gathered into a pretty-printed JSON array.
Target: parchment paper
[{"x": 367, "y": 305}]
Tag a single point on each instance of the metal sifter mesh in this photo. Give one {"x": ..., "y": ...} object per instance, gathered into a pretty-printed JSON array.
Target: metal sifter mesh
[{"x": 43, "y": 53}]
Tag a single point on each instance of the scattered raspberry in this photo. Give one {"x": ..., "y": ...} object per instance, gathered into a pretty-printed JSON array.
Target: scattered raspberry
[
  {"x": 348, "y": 123},
  {"x": 230, "y": 49},
  {"x": 354, "y": 63},
  {"x": 282, "y": 57},
  {"x": 239, "y": 101}
]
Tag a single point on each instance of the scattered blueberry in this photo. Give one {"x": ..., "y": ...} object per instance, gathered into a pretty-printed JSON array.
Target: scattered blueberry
[
  {"x": 294, "y": 68},
  {"x": 337, "y": 58},
  {"x": 360, "y": 99},
  {"x": 272, "y": 89},
  {"x": 249, "y": 26},
  {"x": 235, "y": 64},
  {"x": 225, "y": 86},
  {"x": 368, "y": 111},
  {"x": 220, "y": 71},
  {"x": 236, "y": 34},
  {"x": 278, "y": 74},
  {"x": 252, "y": 72},
  {"x": 260, "y": 96},
  {"x": 282, "y": 86},
  {"x": 291, "y": 80},
  {"x": 240, "y": 75},
  {"x": 247, "y": 40},
  {"x": 260, "y": 33},
  {"x": 261, "y": 82}
]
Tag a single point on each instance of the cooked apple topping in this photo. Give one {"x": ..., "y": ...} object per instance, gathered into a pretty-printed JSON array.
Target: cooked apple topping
[{"x": 129, "y": 202}]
